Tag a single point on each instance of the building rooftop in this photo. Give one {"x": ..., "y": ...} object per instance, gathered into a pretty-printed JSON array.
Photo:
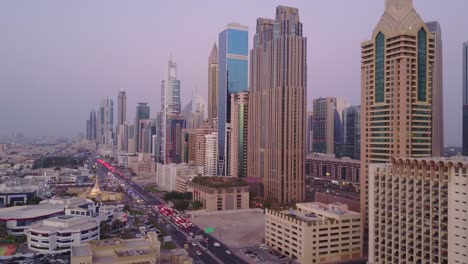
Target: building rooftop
[
  {"x": 219, "y": 182},
  {"x": 334, "y": 209},
  {"x": 65, "y": 222},
  {"x": 28, "y": 211}
]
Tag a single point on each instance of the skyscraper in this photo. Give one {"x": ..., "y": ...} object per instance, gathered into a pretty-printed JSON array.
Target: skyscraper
[
  {"x": 397, "y": 66},
  {"x": 142, "y": 112},
  {"x": 121, "y": 108},
  {"x": 277, "y": 106},
  {"x": 351, "y": 146},
  {"x": 91, "y": 128},
  {"x": 465, "y": 99},
  {"x": 327, "y": 126},
  {"x": 173, "y": 148},
  {"x": 211, "y": 155},
  {"x": 232, "y": 78},
  {"x": 105, "y": 122},
  {"x": 239, "y": 121},
  {"x": 309, "y": 133},
  {"x": 213, "y": 68},
  {"x": 437, "y": 92},
  {"x": 170, "y": 101}
]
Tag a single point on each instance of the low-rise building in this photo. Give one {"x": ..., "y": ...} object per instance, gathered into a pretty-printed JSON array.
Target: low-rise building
[
  {"x": 220, "y": 193},
  {"x": 58, "y": 234},
  {"x": 128, "y": 251},
  {"x": 315, "y": 233},
  {"x": 18, "y": 218},
  {"x": 181, "y": 183},
  {"x": 326, "y": 166},
  {"x": 167, "y": 174}
]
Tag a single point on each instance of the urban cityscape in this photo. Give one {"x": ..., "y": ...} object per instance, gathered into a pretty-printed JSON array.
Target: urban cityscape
[{"x": 255, "y": 164}]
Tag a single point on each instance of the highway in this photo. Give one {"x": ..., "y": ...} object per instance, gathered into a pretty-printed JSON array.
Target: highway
[{"x": 180, "y": 236}]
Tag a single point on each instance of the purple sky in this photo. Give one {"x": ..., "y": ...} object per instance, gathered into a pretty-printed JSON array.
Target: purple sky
[{"x": 59, "y": 58}]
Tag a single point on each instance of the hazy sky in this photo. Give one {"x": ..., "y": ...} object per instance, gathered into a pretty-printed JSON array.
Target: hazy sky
[{"x": 58, "y": 59}]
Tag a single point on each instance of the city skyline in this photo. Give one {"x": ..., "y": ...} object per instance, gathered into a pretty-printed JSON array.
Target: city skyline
[{"x": 98, "y": 71}]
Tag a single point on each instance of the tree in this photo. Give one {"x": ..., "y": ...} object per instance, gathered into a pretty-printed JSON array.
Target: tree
[
  {"x": 115, "y": 225},
  {"x": 197, "y": 205},
  {"x": 188, "y": 196},
  {"x": 104, "y": 230},
  {"x": 57, "y": 169},
  {"x": 181, "y": 205},
  {"x": 34, "y": 200}
]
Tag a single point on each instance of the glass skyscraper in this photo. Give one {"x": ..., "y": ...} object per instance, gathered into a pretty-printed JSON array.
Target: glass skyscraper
[{"x": 232, "y": 78}]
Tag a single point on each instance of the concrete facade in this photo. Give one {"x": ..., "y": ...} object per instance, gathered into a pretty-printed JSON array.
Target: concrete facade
[
  {"x": 239, "y": 121},
  {"x": 166, "y": 175},
  {"x": 331, "y": 168},
  {"x": 211, "y": 154},
  {"x": 315, "y": 233},
  {"x": 418, "y": 211},
  {"x": 277, "y": 106}
]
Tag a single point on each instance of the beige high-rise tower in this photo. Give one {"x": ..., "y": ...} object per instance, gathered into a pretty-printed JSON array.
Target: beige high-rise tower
[
  {"x": 396, "y": 91},
  {"x": 277, "y": 106},
  {"x": 213, "y": 68},
  {"x": 239, "y": 121}
]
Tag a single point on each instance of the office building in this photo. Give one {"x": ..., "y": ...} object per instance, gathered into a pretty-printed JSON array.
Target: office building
[
  {"x": 147, "y": 128},
  {"x": 194, "y": 144},
  {"x": 173, "y": 139},
  {"x": 167, "y": 174},
  {"x": 418, "y": 211},
  {"x": 232, "y": 78},
  {"x": 351, "y": 146},
  {"x": 438, "y": 147},
  {"x": 327, "y": 125},
  {"x": 194, "y": 112},
  {"x": 465, "y": 99},
  {"x": 142, "y": 113},
  {"x": 123, "y": 137},
  {"x": 213, "y": 68},
  {"x": 239, "y": 120},
  {"x": 170, "y": 104},
  {"x": 315, "y": 233},
  {"x": 131, "y": 139},
  {"x": 276, "y": 127},
  {"x": 121, "y": 108},
  {"x": 309, "y": 132},
  {"x": 211, "y": 154},
  {"x": 91, "y": 128},
  {"x": 397, "y": 66},
  {"x": 328, "y": 167},
  {"x": 116, "y": 250},
  {"x": 220, "y": 193},
  {"x": 58, "y": 234},
  {"x": 105, "y": 122}
]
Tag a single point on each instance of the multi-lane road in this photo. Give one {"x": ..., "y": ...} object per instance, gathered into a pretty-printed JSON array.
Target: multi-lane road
[{"x": 182, "y": 236}]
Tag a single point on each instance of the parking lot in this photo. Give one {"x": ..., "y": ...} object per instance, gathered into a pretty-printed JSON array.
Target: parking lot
[{"x": 262, "y": 254}]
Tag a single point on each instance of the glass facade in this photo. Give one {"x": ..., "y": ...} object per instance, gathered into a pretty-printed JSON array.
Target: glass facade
[
  {"x": 380, "y": 68},
  {"x": 232, "y": 78},
  {"x": 422, "y": 65}
]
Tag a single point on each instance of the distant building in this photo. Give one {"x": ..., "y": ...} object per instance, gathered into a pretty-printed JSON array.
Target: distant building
[
  {"x": 465, "y": 99},
  {"x": 18, "y": 218},
  {"x": 331, "y": 168},
  {"x": 232, "y": 78},
  {"x": 91, "y": 126},
  {"x": 123, "y": 137},
  {"x": 309, "y": 132},
  {"x": 142, "y": 113},
  {"x": 173, "y": 139},
  {"x": 213, "y": 68},
  {"x": 315, "y": 233},
  {"x": 239, "y": 120},
  {"x": 211, "y": 155},
  {"x": 166, "y": 174},
  {"x": 329, "y": 198},
  {"x": 58, "y": 234},
  {"x": 419, "y": 205},
  {"x": 105, "y": 122},
  {"x": 351, "y": 146},
  {"x": 142, "y": 164},
  {"x": 220, "y": 193},
  {"x": 193, "y": 144},
  {"x": 327, "y": 125}
]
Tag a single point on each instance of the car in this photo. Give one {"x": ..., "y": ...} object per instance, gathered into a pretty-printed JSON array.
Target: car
[
  {"x": 194, "y": 244},
  {"x": 216, "y": 244},
  {"x": 248, "y": 252},
  {"x": 228, "y": 252},
  {"x": 198, "y": 253}
]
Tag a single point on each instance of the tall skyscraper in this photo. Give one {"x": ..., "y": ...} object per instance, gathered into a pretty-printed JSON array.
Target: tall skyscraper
[
  {"x": 170, "y": 102},
  {"x": 173, "y": 148},
  {"x": 105, "y": 122},
  {"x": 327, "y": 126},
  {"x": 277, "y": 106},
  {"x": 397, "y": 67},
  {"x": 309, "y": 132},
  {"x": 121, "y": 108},
  {"x": 142, "y": 112},
  {"x": 91, "y": 124},
  {"x": 211, "y": 155},
  {"x": 437, "y": 92},
  {"x": 213, "y": 68},
  {"x": 232, "y": 78},
  {"x": 351, "y": 146},
  {"x": 465, "y": 99},
  {"x": 239, "y": 121},
  {"x": 418, "y": 211},
  {"x": 122, "y": 137}
]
